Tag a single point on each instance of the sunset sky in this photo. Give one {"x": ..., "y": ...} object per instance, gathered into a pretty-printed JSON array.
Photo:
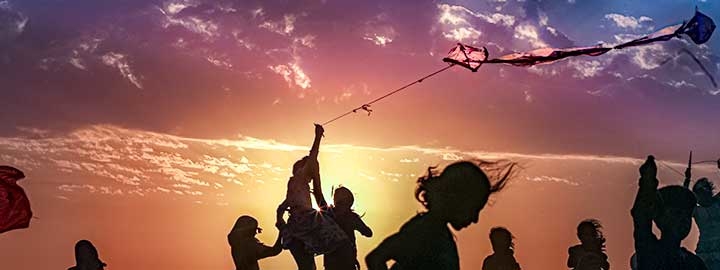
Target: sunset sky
[{"x": 149, "y": 126}]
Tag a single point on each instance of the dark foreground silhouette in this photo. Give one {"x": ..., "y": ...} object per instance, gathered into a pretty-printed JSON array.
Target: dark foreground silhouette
[
  {"x": 345, "y": 257},
  {"x": 86, "y": 257},
  {"x": 503, "y": 257},
  {"x": 706, "y": 216},
  {"x": 590, "y": 253},
  {"x": 308, "y": 232},
  {"x": 453, "y": 197},
  {"x": 671, "y": 209},
  {"x": 246, "y": 250}
]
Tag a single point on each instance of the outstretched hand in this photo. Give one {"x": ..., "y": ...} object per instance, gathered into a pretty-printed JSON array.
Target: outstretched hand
[
  {"x": 319, "y": 130},
  {"x": 648, "y": 170}
]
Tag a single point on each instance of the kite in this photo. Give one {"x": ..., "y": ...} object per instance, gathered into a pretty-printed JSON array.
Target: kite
[
  {"x": 699, "y": 29},
  {"x": 15, "y": 210}
]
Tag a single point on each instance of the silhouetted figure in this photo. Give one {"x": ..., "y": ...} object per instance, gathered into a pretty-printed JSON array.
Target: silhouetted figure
[
  {"x": 345, "y": 258},
  {"x": 590, "y": 253},
  {"x": 503, "y": 257},
  {"x": 308, "y": 232},
  {"x": 671, "y": 209},
  {"x": 707, "y": 218},
  {"x": 246, "y": 250},
  {"x": 453, "y": 197},
  {"x": 86, "y": 257}
]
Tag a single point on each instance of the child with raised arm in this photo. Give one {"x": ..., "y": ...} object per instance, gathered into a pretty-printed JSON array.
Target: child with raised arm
[
  {"x": 503, "y": 257},
  {"x": 454, "y": 197},
  {"x": 671, "y": 209},
  {"x": 706, "y": 217},
  {"x": 345, "y": 258},
  {"x": 590, "y": 253},
  {"x": 245, "y": 249},
  {"x": 308, "y": 232}
]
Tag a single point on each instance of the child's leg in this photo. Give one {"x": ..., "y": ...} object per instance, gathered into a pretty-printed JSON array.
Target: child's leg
[{"x": 304, "y": 260}]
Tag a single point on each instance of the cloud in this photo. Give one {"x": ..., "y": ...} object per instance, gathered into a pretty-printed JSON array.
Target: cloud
[
  {"x": 120, "y": 62},
  {"x": 282, "y": 27},
  {"x": 293, "y": 74},
  {"x": 529, "y": 33},
  {"x": 623, "y": 21}
]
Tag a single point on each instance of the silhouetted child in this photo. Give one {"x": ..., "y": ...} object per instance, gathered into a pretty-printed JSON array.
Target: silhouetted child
[
  {"x": 503, "y": 257},
  {"x": 86, "y": 257},
  {"x": 246, "y": 250},
  {"x": 707, "y": 218},
  {"x": 671, "y": 209},
  {"x": 345, "y": 258},
  {"x": 308, "y": 232},
  {"x": 454, "y": 197},
  {"x": 590, "y": 253}
]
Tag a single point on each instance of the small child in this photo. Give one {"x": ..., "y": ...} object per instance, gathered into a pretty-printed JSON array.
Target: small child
[
  {"x": 503, "y": 247},
  {"x": 590, "y": 253},
  {"x": 308, "y": 232},
  {"x": 453, "y": 197},
  {"x": 246, "y": 250},
  {"x": 671, "y": 208},
  {"x": 86, "y": 257},
  {"x": 345, "y": 258}
]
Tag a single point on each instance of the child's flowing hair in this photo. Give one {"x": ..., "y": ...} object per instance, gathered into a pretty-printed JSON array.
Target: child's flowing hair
[
  {"x": 598, "y": 239},
  {"x": 461, "y": 179}
]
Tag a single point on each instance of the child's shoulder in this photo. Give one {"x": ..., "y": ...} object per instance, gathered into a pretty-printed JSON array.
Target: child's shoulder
[{"x": 693, "y": 261}]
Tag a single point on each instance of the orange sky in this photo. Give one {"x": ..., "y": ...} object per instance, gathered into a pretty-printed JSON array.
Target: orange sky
[{"x": 148, "y": 127}]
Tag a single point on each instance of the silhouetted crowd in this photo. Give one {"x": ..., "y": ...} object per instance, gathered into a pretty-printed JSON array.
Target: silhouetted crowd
[{"x": 455, "y": 196}]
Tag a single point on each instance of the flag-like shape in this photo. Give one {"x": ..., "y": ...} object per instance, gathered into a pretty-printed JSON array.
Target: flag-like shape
[
  {"x": 15, "y": 210},
  {"x": 467, "y": 56},
  {"x": 547, "y": 55},
  {"x": 699, "y": 28}
]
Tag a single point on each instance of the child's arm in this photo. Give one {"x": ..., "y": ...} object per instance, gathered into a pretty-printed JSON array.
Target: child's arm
[
  {"x": 645, "y": 205},
  {"x": 361, "y": 227},
  {"x": 311, "y": 162},
  {"x": 265, "y": 251},
  {"x": 317, "y": 190},
  {"x": 688, "y": 175},
  {"x": 572, "y": 261},
  {"x": 280, "y": 222},
  {"x": 387, "y": 250}
]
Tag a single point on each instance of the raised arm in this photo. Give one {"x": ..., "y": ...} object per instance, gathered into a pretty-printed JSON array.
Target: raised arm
[
  {"x": 645, "y": 205},
  {"x": 315, "y": 149},
  {"x": 688, "y": 175}
]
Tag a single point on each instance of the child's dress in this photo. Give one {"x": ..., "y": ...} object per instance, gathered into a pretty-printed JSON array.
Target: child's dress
[{"x": 312, "y": 229}]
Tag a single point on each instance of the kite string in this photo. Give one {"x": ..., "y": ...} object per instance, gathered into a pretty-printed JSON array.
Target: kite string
[
  {"x": 673, "y": 169},
  {"x": 366, "y": 106}
]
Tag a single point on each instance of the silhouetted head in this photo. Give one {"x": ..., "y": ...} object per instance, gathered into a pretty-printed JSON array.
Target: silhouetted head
[
  {"x": 501, "y": 239},
  {"x": 704, "y": 190},
  {"x": 86, "y": 256},
  {"x": 299, "y": 165},
  {"x": 461, "y": 190},
  {"x": 674, "y": 212},
  {"x": 343, "y": 198},
  {"x": 246, "y": 226},
  {"x": 590, "y": 233}
]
